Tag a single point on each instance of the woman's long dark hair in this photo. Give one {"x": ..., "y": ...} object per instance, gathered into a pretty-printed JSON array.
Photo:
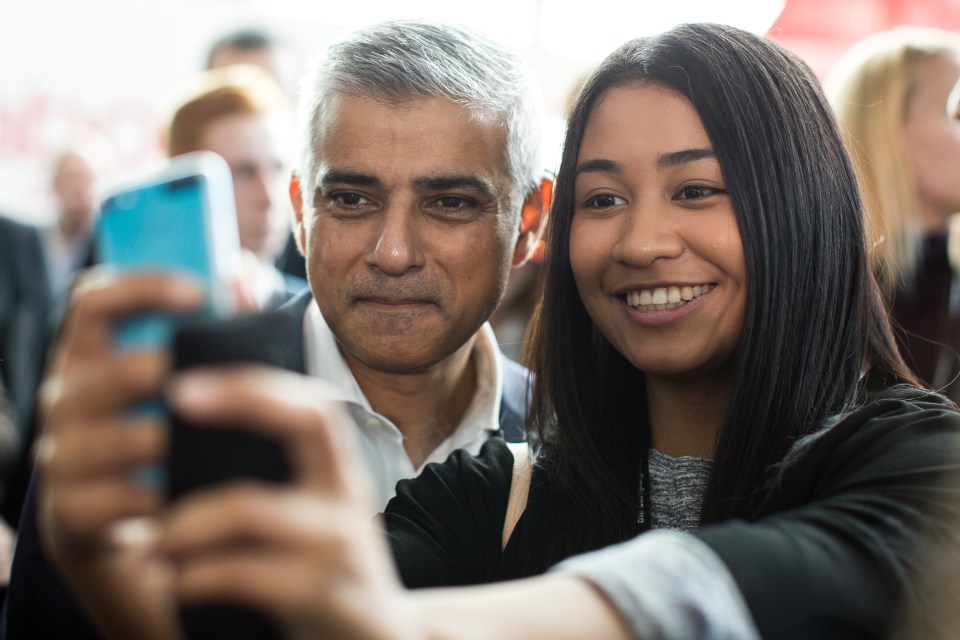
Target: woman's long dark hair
[{"x": 813, "y": 324}]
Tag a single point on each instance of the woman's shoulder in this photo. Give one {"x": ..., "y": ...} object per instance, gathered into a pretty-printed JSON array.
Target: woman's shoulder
[
  {"x": 445, "y": 526},
  {"x": 897, "y": 430},
  {"x": 896, "y": 410},
  {"x": 899, "y": 411},
  {"x": 907, "y": 393},
  {"x": 853, "y": 502},
  {"x": 464, "y": 473}
]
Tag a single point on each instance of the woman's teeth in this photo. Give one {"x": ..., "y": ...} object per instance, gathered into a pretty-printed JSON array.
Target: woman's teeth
[{"x": 665, "y": 298}]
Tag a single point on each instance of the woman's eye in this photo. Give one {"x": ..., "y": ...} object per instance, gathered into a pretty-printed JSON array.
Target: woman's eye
[
  {"x": 697, "y": 192},
  {"x": 603, "y": 201}
]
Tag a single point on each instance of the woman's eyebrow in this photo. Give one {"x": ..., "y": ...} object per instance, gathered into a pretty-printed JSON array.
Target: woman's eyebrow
[
  {"x": 664, "y": 161},
  {"x": 675, "y": 158},
  {"x": 599, "y": 166}
]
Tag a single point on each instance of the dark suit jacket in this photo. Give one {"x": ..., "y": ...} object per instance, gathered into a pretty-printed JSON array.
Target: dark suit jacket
[
  {"x": 27, "y": 322},
  {"x": 25, "y": 307},
  {"x": 39, "y": 607}
]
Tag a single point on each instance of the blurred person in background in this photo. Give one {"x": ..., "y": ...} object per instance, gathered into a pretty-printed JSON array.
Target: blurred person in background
[
  {"x": 25, "y": 305},
  {"x": 9, "y": 445},
  {"x": 896, "y": 97},
  {"x": 68, "y": 242},
  {"x": 37, "y": 267},
  {"x": 9, "y": 438},
  {"x": 246, "y": 46},
  {"x": 240, "y": 113},
  {"x": 262, "y": 49}
]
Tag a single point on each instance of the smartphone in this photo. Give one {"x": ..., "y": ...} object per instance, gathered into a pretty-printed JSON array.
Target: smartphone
[
  {"x": 200, "y": 455},
  {"x": 180, "y": 218}
]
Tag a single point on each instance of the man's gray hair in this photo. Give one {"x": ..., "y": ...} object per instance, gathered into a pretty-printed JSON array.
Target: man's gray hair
[{"x": 405, "y": 60}]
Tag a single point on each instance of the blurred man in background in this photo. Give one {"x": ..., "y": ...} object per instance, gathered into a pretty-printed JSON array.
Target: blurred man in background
[
  {"x": 240, "y": 113},
  {"x": 260, "y": 48}
]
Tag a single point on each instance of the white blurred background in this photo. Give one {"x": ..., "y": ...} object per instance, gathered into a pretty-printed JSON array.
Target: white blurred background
[{"x": 116, "y": 66}]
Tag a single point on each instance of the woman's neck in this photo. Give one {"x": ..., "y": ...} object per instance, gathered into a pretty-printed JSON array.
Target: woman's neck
[{"x": 685, "y": 415}]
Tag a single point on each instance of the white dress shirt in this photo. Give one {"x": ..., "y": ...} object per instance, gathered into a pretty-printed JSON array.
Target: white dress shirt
[{"x": 381, "y": 442}]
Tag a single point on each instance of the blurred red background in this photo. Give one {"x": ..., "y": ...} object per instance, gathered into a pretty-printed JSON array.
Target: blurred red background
[{"x": 820, "y": 30}]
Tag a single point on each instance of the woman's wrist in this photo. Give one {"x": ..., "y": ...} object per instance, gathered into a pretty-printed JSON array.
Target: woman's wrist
[{"x": 552, "y": 607}]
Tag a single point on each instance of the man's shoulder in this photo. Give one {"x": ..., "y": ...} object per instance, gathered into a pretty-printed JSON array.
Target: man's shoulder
[
  {"x": 14, "y": 233},
  {"x": 515, "y": 399},
  {"x": 294, "y": 308},
  {"x": 8, "y": 223},
  {"x": 294, "y": 285},
  {"x": 514, "y": 373}
]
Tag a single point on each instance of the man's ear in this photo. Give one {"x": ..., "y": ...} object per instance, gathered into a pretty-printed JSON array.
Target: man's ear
[
  {"x": 533, "y": 221},
  {"x": 299, "y": 228}
]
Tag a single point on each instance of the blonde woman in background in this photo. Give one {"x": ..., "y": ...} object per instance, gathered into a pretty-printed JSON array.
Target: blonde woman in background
[{"x": 896, "y": 96}]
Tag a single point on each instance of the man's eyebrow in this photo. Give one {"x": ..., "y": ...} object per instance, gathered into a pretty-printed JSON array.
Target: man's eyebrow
[
  {"x": 456, "y": 181},
  {"x": 348, "y": 177},
  {"x": 676, "y": 158},
  {"x": 433, "y": 183}
]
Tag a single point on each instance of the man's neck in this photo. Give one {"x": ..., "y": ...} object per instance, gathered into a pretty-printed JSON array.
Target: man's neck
[
  {"x": 427, "y": 406},
  {"x": 71, "y": 231}
]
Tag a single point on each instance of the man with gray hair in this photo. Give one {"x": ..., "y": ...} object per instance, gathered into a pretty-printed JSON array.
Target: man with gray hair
[{"x": 419, "y": 188}]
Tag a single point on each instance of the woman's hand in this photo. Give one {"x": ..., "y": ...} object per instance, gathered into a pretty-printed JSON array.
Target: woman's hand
[
  {"x": 90, "y": 493},
  {"x": 307, "y": 553}
]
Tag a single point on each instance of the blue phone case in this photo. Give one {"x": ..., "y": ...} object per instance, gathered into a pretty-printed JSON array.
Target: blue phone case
[{"x": 181, "y": 220}]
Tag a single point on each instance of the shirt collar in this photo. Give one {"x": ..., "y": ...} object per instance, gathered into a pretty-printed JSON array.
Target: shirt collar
[{"x": 323, "y": 360}]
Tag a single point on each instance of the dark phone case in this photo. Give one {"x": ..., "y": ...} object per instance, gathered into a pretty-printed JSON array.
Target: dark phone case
[{"x": 200, "y": 456}]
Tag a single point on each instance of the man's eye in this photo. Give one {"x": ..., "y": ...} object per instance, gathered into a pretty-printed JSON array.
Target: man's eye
[
  {"x": 453, "y": 202},
  {"x": 603, "y": 201},
  {"x": 453, "y": 208},
  {"x": 347, "y": 199},
  {"x": 244, "y": 173}
]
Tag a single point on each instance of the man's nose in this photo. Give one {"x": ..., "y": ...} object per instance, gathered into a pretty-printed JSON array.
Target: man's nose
[{"x": 398, "y": 246}]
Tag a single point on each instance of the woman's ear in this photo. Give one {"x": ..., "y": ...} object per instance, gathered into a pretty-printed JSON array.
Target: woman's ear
[
  {"x": 533, "y": 221},
  {"x": 296, "y": 199}
]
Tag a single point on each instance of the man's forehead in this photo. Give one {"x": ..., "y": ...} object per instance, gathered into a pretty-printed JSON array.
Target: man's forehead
[
  {"x": 341, "y": 111},
  {"x": 423, "y": 141}
]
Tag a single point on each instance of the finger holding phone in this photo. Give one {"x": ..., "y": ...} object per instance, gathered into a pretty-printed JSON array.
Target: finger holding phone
[
  {"x": 302, "y": 551},
  {"x": 93, "y": 445},
  {"x": 169, "y": 241}
]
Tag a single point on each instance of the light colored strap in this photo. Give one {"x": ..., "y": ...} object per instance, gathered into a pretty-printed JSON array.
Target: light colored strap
[{"x": 519, "y": 488}]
